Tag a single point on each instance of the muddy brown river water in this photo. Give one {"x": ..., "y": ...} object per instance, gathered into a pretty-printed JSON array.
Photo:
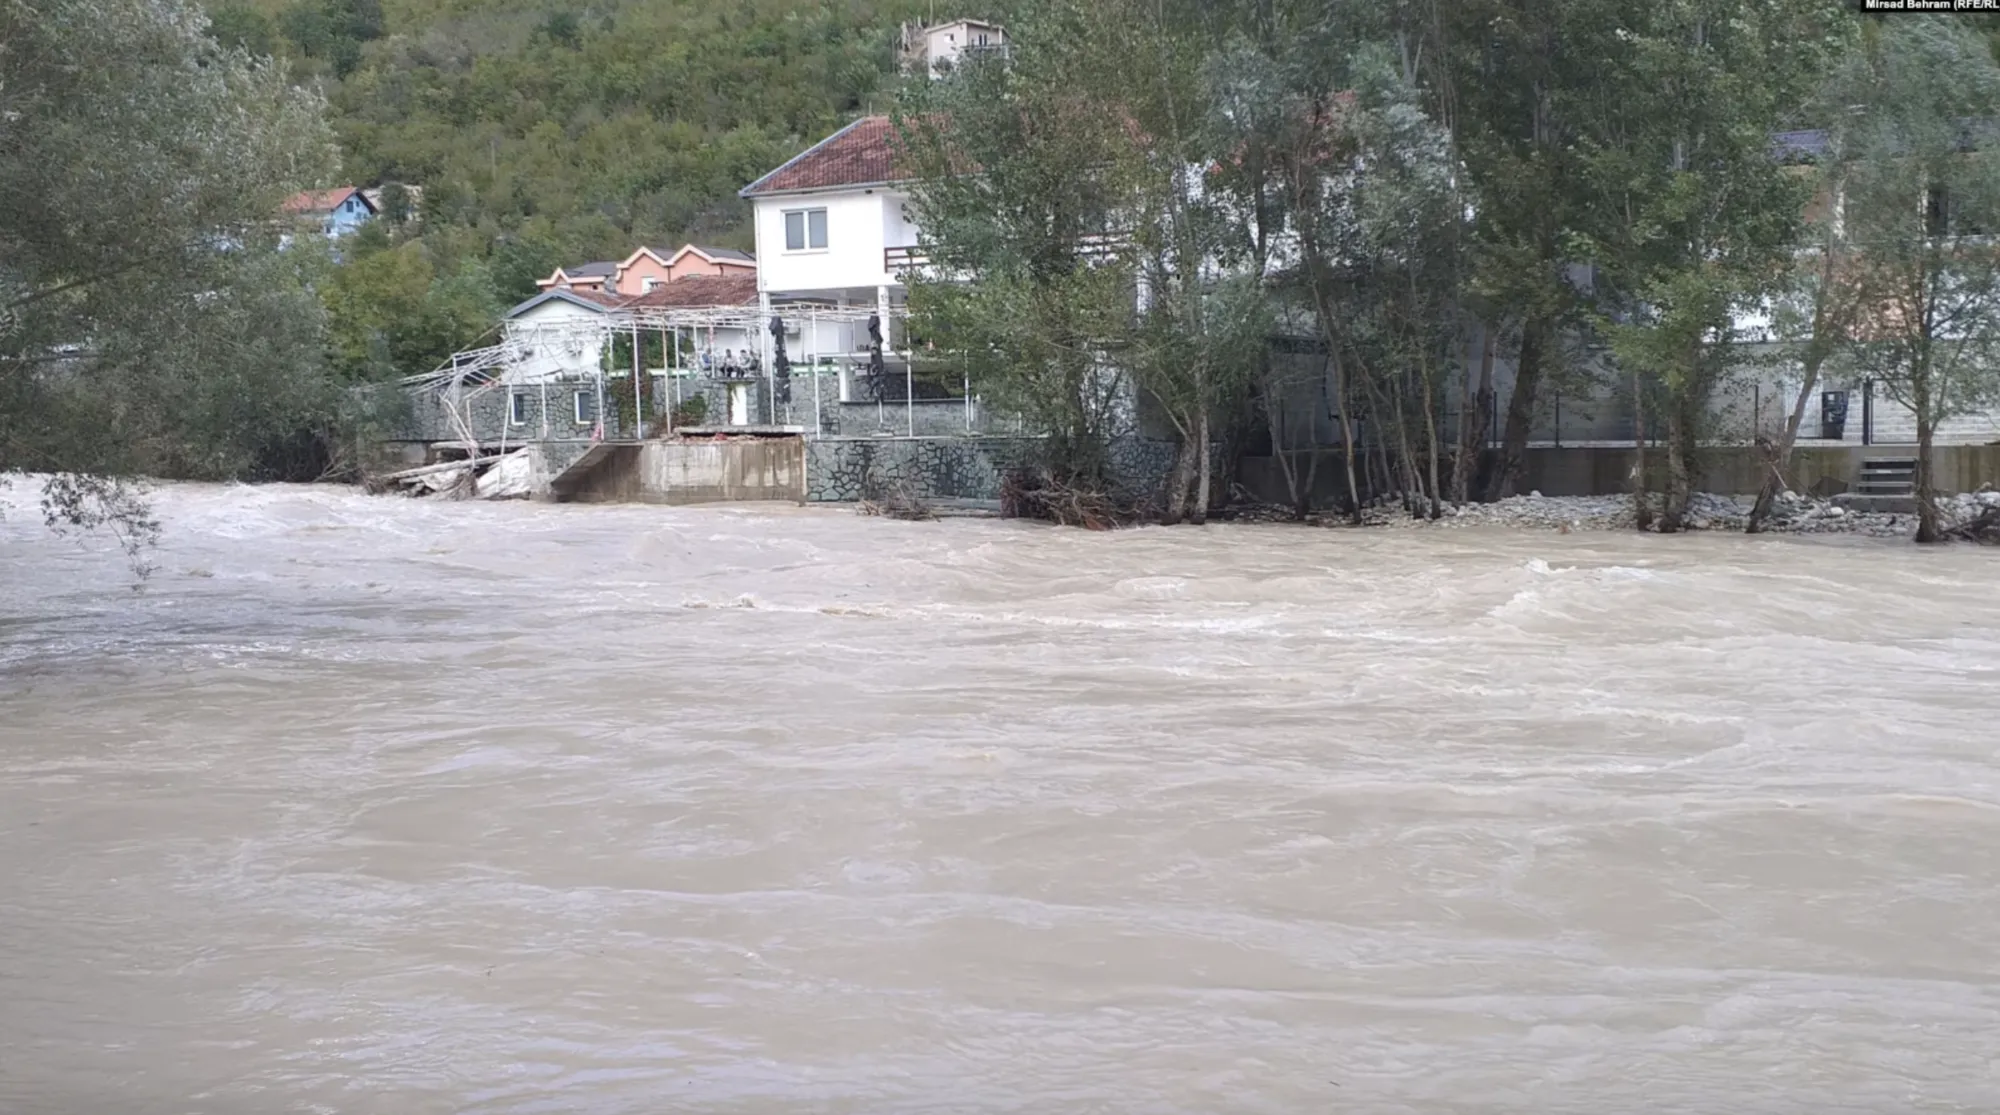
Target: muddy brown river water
[{"x": 365, "y": 805}]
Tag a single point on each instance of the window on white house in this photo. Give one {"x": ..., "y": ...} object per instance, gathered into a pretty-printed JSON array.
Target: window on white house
[
  {"x": 517, "y": 409},
  {"x": 586, "y": 408},
  {"x": 805, "y": 230}
]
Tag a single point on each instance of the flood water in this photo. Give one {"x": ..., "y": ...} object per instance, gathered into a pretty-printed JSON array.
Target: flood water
[{"x": 366, "y": 805}]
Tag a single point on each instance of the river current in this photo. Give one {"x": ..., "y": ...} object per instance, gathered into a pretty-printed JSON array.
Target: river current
[{"x": 371, "y": 805}]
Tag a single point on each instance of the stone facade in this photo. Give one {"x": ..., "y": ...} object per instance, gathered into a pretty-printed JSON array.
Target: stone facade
[{"x": 845, "y": 469}]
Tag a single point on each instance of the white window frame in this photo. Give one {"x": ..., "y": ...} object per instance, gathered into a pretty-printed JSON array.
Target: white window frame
[
  {"x": 576, "y": 407},
  {"x": 805, "y": 217},
  {"x": 517, "y": 408},
  {"x": 652, "y": 283}
]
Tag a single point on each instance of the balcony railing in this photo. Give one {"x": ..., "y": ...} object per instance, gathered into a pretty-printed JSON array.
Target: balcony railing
[
  {"x": 906, "y": 258},
  {"x": 899, "y": 260}
]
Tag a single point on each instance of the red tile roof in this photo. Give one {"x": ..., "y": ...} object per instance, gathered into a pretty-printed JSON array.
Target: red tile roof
[
  {"x": 697, "y": 291},
  {"x": 319, "y": 201},
  {"x": 861, "y": 154}
]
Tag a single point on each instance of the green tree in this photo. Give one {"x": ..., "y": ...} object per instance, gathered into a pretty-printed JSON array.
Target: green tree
[
  {"x": 1921, "y": 200},
  {"x": 141, "y": 163},
  {"x": 1020, "y": 189},
  {"x": 242, "y": 27},
  {"x": 391, "y": 313},
  {"x": 396, "y": 206},
  {"x": 1204, "y": 314},
  {"x": 1349, "y": 190},
  {"x": 1693, "y": 222},
  {"x": 1522, "y": 80}
]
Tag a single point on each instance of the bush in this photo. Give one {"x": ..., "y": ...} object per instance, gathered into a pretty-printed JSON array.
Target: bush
[{"x": 691, "y": 412}]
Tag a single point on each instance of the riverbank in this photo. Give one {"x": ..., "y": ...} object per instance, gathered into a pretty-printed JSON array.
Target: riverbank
[{"x": 1793, "y": 513}]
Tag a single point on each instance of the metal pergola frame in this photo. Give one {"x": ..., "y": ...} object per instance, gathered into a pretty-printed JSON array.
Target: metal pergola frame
[{"x": 474, "y": 372}]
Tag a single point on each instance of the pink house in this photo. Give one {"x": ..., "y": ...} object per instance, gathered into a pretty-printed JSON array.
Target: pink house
[{"x": 648, "y": 268}]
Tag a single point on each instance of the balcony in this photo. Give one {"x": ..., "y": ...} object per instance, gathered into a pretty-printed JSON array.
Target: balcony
[{"x": 902, "y": 260}]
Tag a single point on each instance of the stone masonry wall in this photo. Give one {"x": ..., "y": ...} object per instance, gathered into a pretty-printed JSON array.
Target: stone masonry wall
[{"x": 846, "y": 469}]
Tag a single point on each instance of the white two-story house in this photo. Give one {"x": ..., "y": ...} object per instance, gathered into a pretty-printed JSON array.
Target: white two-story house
[{"x": 833, "y": 233}]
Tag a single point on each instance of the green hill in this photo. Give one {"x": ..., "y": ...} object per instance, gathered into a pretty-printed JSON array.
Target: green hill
[
  {"x": 544, "y": 134},
  {"x": 585, "y": 129}
]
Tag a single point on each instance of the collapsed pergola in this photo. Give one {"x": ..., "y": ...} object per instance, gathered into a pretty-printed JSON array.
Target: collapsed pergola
[{"x": 809, "y": 337}]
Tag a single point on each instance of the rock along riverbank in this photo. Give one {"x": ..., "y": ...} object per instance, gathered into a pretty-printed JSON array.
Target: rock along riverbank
[{"x": 1791, "y": 514}]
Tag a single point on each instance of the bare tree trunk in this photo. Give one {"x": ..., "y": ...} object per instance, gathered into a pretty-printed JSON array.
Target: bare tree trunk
[
  {"x": 1521, "y": 408},
  {"x": 1414, "y": 495},
  {"x": 1674, "y": 516},
  {"x": 1642, "y": 507},
  {"x": 1832, "y": 309},
  {"x": 1199, "y": 513},
  {"x": 1472, "y": 423},
  {"x": 1177, "y": 487},
  {"x": 1274, "y": 422},
  {"x": 1298, "y": 488},
  {"x": 1431, "y": 435},
  {"x": 1346, "y": 437},
  {"x": 1778, "y": 458},
  {"x": 1302, "y": 501},
  {"x": 1382, "y": 462},
  {"x": 1413, "y": 481},
  {"x": 1927, "y": 512}
]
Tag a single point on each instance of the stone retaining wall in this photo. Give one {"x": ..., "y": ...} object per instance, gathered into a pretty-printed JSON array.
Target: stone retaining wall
[{"x": 845, "y": 469}]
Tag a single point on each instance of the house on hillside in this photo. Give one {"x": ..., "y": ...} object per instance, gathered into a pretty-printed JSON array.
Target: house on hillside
[
  {"x": 337, "y": 212},
  {"x": 591, "y": 277},
  {"x": 933, "y": 50}
]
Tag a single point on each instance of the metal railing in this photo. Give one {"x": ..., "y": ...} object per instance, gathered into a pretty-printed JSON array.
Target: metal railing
[{"x": 903, "y": 259}]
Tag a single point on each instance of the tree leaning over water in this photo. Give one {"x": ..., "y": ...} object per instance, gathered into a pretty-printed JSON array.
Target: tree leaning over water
[{"x": 147, "y": 323}]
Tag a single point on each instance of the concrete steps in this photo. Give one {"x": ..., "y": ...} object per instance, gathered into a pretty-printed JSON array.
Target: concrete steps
[
  {"x": 1887, "y": 484},
  {"x": 1888, "y": 476}
]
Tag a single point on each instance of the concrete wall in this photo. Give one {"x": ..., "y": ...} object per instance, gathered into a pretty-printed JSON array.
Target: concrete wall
[
  {"x": 1607, "y": 470},
  {"x": 1739, "y": 469},
  {"x": 684, "y": 472}
]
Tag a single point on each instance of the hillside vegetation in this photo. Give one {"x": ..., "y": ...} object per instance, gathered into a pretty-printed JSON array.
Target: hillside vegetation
[{"x": 544, "y": 134}]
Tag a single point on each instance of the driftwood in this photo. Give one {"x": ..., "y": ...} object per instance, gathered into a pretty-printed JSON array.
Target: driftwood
[
  {"x": 1027, "y": 496},
  {"x": 456, "y": 479},
  {"x": 427, "y": 470},
  {"x": 900, "y": 502},
  {"x": 1983, "y": 528}
]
